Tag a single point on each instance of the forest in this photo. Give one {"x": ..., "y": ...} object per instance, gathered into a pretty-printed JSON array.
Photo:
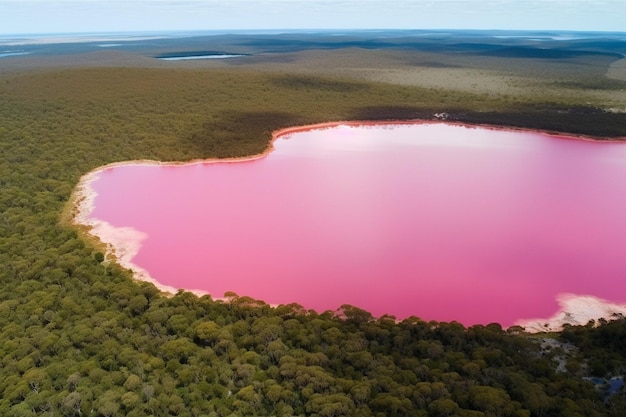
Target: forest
[{"x": 80, "y": 337}]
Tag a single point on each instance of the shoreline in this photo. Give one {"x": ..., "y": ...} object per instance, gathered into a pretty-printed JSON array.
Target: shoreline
[
  {"x": 575, "y": 310},
  {"x": 120, "y": 245},
  {"x": 356, "y": 123}
]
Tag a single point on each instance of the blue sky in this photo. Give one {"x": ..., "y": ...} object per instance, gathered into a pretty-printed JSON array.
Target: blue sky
[{"x": 67, "y": 16}]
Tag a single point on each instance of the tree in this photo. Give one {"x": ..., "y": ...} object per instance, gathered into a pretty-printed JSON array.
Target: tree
[
  {"x": 181, "y": 348},
  {"x": 109, "y": 403},
  {"x": 99, "y": 257},
  {"x": 354, "y": 315},
  {"x": 207, "y": 332},
  {"x": 72, "y": 404},
  {"x": 492, "y": 401},
  {"x": 137, "y": 304},
  {"x": 334, "y": 405},
  {"x": 444, "y": 407}
]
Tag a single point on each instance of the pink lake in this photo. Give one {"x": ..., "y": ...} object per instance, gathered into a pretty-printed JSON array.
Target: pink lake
[{"x": 439, "y": 221}]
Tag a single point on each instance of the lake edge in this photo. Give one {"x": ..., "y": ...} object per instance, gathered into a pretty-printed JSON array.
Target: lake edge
[{"x": 122, "y": 252}]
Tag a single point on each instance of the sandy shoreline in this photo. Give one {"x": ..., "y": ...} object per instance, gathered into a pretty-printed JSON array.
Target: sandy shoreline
[
  {"x": 122, "y": 244},
  {"x": 575, "y": 310}
]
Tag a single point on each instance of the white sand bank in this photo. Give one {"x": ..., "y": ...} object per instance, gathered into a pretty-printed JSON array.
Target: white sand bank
[{"x": 575, "y": 310}]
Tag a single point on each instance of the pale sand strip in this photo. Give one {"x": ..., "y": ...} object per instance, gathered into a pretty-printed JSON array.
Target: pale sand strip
[{"x": 122, "y": 244}]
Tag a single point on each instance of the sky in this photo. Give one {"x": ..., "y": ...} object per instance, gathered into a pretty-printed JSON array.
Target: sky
[{"x": 76, "y": 16}]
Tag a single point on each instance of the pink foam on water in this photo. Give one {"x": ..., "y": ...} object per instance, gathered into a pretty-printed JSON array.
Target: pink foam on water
[{"x": 440, "y": 221}]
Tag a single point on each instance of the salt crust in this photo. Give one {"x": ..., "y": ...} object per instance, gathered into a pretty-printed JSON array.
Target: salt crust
[
  {"x": 123, "y": 243},
  {"x": 575, "y": 310}
]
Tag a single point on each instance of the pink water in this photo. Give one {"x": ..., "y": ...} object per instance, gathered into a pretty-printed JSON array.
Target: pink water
[{"x": 439, "y": 221}]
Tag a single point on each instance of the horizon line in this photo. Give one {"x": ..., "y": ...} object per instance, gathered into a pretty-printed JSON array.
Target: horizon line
[{"x": 301, "y": 30}]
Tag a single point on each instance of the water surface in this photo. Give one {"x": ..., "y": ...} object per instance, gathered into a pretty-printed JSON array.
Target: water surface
[
  {"x": 190, "y": 57},
  {"x": 439, "y": 221}
]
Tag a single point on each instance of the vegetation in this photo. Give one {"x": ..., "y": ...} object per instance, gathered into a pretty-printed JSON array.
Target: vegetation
[{"x": 79, "y": 337}]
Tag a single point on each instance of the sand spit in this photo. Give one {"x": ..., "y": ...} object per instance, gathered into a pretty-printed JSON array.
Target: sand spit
[
  {"x": 122, "y": 244},
  {"x": 575, "y": 310}
]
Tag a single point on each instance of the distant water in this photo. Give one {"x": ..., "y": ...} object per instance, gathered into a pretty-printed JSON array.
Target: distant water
[
  {"x": 101, "y": 37},
  {"x": 60, "y": 38},
  {"x": 7, "y": 54},
  {"x": 190, "y": 57},
  {"x": 439, "y": 221}
]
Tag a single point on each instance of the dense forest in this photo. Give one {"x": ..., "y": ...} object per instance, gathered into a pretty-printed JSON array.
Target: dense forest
[{"x": 80, "y": 337}]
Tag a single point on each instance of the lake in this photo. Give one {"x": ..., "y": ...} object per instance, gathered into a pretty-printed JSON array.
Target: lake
[
  {"x": 191, "y": 57},
  {"x": 441, "y": 221}
]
